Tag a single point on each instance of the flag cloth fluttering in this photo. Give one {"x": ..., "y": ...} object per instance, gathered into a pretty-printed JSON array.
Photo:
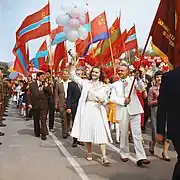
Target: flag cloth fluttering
[
  {"x": 165, "y": 31},
  {"x": 34, "y": 26},
  {"x": 40, "y": 56},
  {"x": 21, "y": 61},
  {"x": 131, "y": 41},
  {"x": 60, "y": 55},
  {"x": 99, "y": 30}
]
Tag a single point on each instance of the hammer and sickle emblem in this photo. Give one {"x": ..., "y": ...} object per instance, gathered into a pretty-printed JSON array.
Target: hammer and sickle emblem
[
  {"x": 101, "y": 21},
  {"x": 43, "y": 13},
  {"x": 112, "y": 30}
]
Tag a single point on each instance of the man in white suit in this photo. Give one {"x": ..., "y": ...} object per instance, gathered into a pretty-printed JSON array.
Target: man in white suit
[{"x": 128, "y": 111}]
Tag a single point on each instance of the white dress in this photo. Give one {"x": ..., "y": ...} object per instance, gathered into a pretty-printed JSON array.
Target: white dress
[{"x": 91, "y": 122}]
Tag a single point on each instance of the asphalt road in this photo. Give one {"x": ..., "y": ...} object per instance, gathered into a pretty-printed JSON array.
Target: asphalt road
[{"x": 25, "y": 157}]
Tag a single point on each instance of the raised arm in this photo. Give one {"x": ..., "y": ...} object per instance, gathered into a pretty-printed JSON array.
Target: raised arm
[{"x": 74, "y": 77}]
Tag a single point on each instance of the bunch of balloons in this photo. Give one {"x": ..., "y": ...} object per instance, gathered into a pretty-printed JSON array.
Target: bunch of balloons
[
  {"x": 12, "y": 74},
  {"x": 73, "y": 18}
]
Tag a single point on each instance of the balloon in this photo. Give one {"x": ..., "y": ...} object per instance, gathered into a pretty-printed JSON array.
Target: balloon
[
  {"x": 72, "y": 35},
  {"x": 11, "y": 69},
  {"x": 62, "y": 20},
  {"x": 75, "y": 13},
  {"x": 67, "y": 28},
  {"x": 10, "y": 64},
  {"x": 67, "y": 8},
  {"x": 82, "y": 20},
  {"x": 74, "y": 23},
  {"x": 13, "y": 75},
  {"x": 82, "y": 33}
]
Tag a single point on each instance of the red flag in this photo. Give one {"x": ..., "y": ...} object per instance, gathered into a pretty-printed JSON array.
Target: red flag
[
  {"x": 34, "y": 26},
  {"x": 165, "y": 31},
  {"x": 60, "y": 54},
  {"x": 81, "y": 44},
  {"x": 20, "y": 64},
  {"x": 131, "y": 41},
  {"x": 59, "y": 29},
  {"x": 99, "y": 26}
]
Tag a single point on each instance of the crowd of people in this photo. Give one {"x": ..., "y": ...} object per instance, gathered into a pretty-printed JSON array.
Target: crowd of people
[{"x": 92, "y": 105}]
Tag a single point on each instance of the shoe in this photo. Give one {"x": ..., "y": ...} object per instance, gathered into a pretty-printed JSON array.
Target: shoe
[
  {"x": 117, "y": 142},
  {"x": 38, "y": 135},
  {"x": 105, "y": 161},
  {"x": 74, "y": 144},
  {"x": 167, "y": 159},
  {"x": 124, "y": 159},
  {"x": 43, "y": 138},
  {"x": 2, "y": 134},
  {"x": 0, "y": 143},
  {"x": 141, "y": 162},
  {"x": 89, "y": 157},
  {"x": 2, "y": 125},
  {"x": 80, "y": 143},
  {"x": 3, "y": 119},
  {"x": 65, "y": 136},
  {"x": 52, "y": 130},
  {"x": 5, "y": 115},
  {"x": 151, "y": 148}
]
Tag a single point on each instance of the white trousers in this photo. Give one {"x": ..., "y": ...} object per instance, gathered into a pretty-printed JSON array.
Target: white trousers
[{"x": 135, "y": 124}]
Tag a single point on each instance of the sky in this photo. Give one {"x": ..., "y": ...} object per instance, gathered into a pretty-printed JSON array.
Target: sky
[{"x": 13, "y": 12}]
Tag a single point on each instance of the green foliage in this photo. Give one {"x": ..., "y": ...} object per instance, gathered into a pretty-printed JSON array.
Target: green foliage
[{"x": 4, "y": 68}]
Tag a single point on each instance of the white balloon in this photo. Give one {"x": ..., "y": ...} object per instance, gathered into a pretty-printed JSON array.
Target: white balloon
[
  {"x": 74, "y": 23},
  {"x": 67, "y": 8},
  {"x": 62, "y": 19},
  {"x": 72, "y": 35},
  {"x": 68, "y": 28},
  {"x": 75, "y": 13},
  {"x": 82, "y": 33}
]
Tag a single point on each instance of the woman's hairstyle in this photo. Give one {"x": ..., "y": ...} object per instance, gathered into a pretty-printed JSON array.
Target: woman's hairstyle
[
  {"x": 158, "y": 73},
  {"x": 102, "y": 75}
]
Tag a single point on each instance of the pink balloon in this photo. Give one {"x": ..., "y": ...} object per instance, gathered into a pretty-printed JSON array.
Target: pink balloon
[{"x": 74, "y": 23}]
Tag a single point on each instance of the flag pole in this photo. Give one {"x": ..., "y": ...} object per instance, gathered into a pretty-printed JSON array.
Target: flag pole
[
  {"x": 124, "y": 46},
  {"x": 110, "y": 45},
  {"x": 144, "y": 50},
  {"x": 50, "y": 55},
  {"x": 90, "y": 33}
]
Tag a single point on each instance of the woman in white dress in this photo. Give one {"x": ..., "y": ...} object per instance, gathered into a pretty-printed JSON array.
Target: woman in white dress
[{"x": 91, "y": 123}]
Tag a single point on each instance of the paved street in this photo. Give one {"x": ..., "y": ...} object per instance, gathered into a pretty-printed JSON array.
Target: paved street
[{"x": 25, "y": 157}]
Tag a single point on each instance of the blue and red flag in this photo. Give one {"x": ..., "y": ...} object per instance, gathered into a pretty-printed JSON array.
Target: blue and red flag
[
  {"x": 21, "y": 61},
  {"x": 99, "y": 30},
  {"x": 34, "y": 26},
  {"x": 131, "y": 41},
  {"x": 39, "y": 59}
]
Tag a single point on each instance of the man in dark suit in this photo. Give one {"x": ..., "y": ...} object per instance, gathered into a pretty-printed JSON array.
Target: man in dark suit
[
  {"x": 73, "y": 95},
  {"x": 51, "y": 100},
  {"x": 37, "y": 100},
  {"x": 168, "y": 113}
]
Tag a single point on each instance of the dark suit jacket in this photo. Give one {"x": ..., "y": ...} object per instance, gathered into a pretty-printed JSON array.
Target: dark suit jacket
[
  {"x": 169, "y": 105},
  {"x": 73, "y": 95},
  {"x": 38, "y": 99}
]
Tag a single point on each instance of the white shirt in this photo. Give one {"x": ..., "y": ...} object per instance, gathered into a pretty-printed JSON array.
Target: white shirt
[{"x": 65, "y": 85}]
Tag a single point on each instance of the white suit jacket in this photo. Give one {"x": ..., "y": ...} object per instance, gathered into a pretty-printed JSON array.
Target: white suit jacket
[{"x": 120, "y": 91}]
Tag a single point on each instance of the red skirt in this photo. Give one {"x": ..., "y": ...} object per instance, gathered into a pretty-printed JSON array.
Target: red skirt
[{"x": 140, "y": 96}]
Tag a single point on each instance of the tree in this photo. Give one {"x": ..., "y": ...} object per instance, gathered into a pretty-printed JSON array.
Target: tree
[{"x": 4, "y": 68}]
